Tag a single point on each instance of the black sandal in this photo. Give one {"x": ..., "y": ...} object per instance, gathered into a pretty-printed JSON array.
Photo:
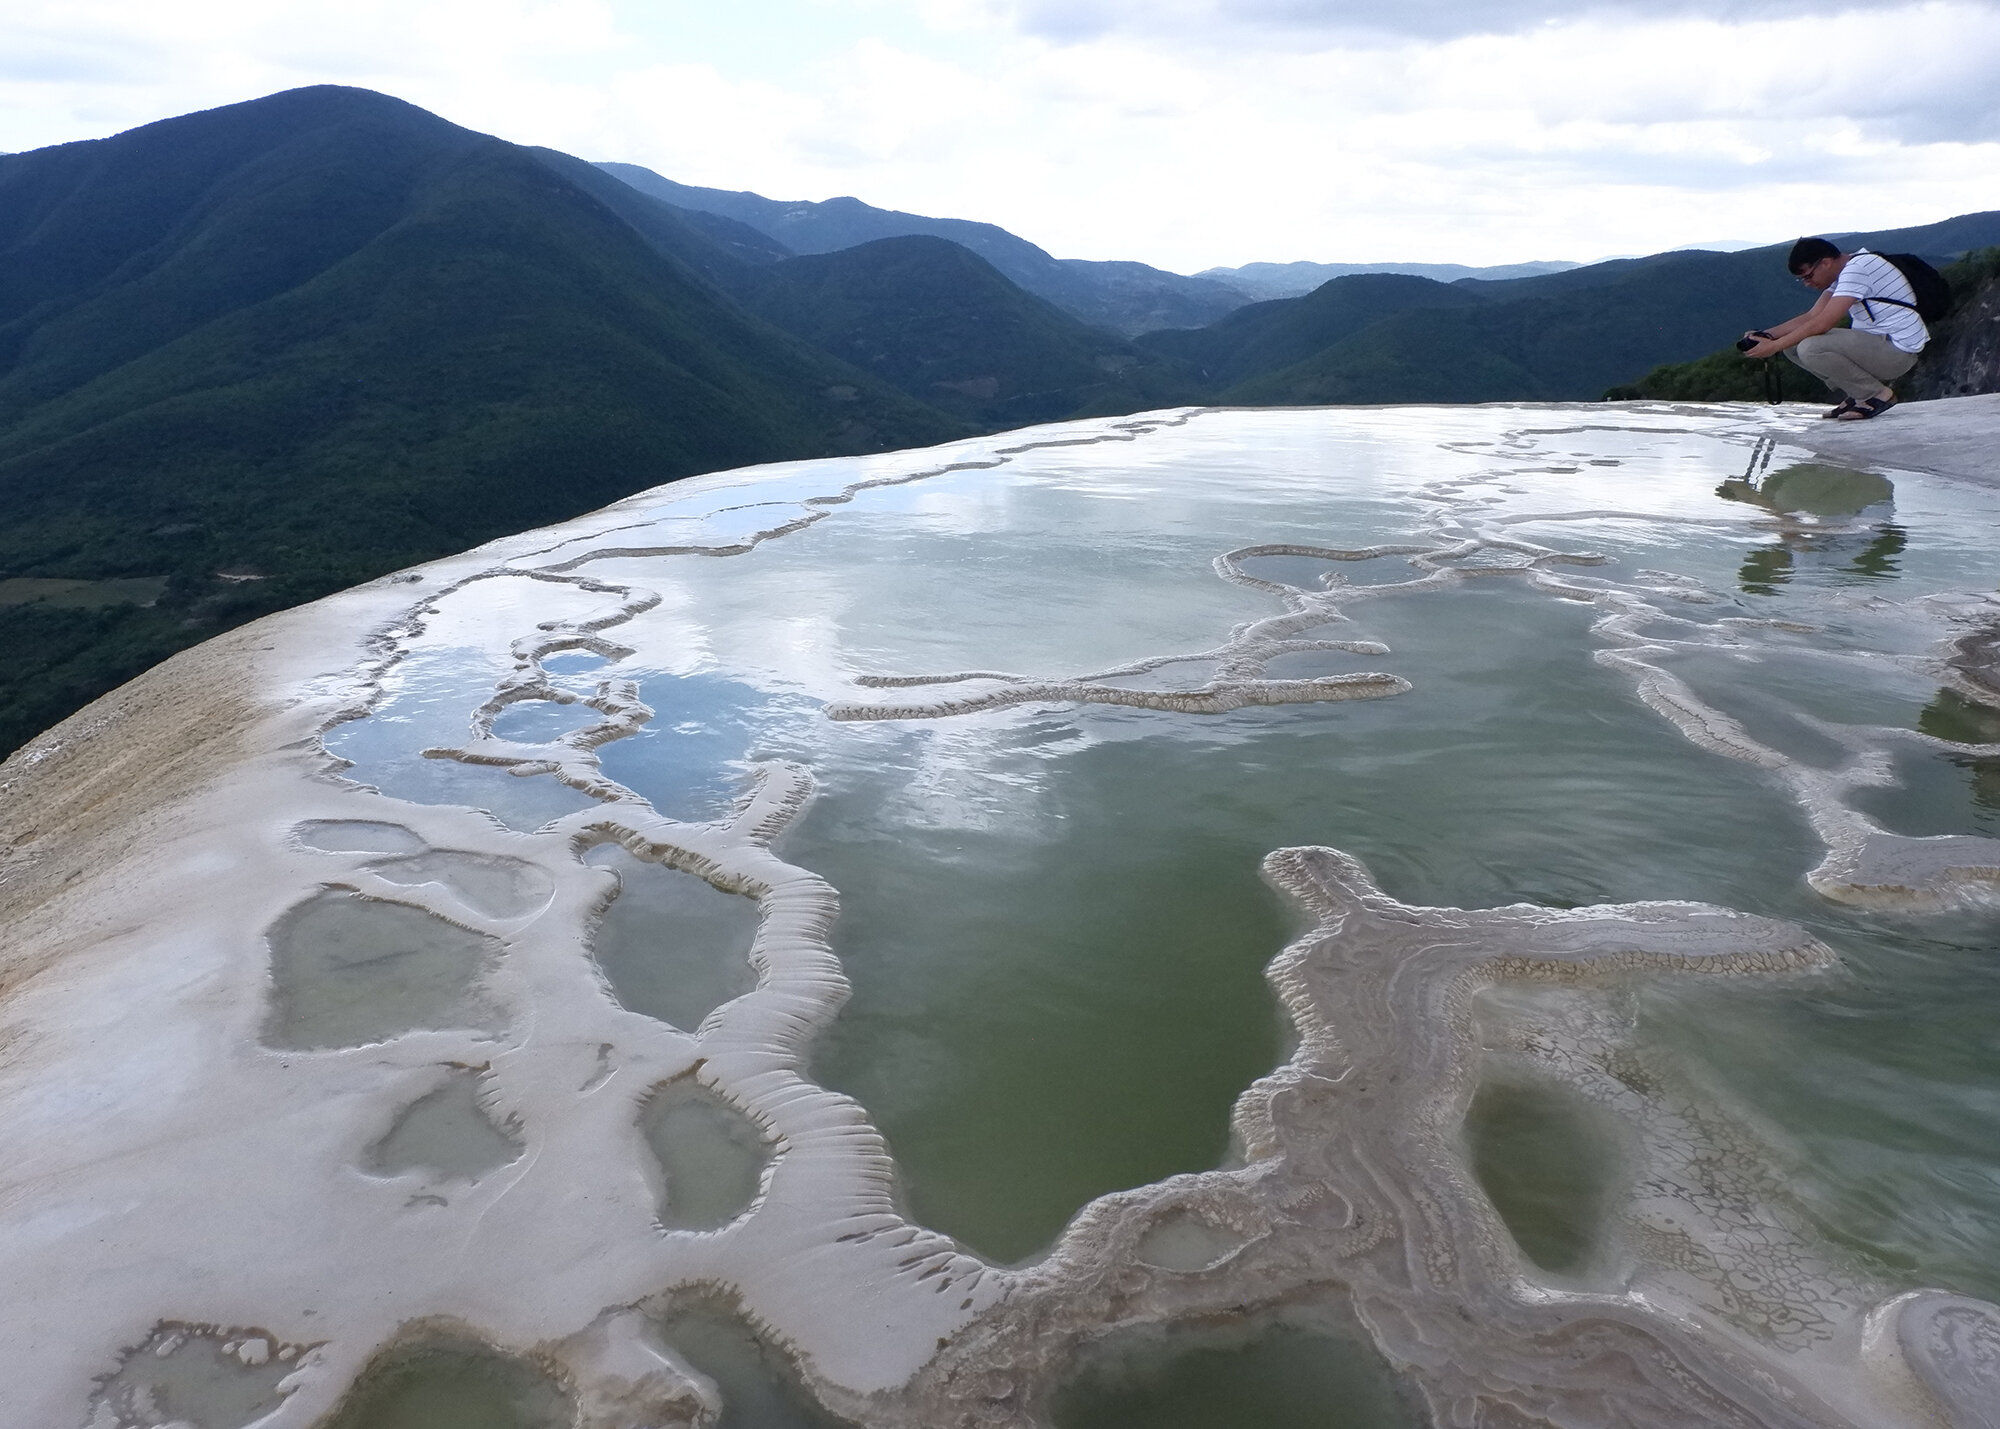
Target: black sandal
[
  {"x": 1845, "y": 404},
  {"x": 1873, "y": 407}
]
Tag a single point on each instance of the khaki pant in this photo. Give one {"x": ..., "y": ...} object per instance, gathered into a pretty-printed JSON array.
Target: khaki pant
[{"x": 1856, "y": 364}]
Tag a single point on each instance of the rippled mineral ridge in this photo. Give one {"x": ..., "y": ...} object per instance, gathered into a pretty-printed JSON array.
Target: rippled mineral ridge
[{"x": 1471, "y": 916}]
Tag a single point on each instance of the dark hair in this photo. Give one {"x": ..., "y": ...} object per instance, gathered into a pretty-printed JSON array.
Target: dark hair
[{"x": 1808, "y": 251}]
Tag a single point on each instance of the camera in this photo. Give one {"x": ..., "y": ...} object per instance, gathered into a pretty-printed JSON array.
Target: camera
[{"x": 1744, "y": 344}]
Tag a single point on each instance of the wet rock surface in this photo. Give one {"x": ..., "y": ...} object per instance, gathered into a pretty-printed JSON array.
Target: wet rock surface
[{"x": 390, "y": 1098}]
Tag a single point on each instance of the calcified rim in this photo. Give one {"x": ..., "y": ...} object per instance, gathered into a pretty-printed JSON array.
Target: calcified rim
[{"x": 1351, "y": 1183}]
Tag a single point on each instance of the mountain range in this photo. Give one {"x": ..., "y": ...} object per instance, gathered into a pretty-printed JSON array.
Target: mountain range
[
  {"x": 1295, "y": 280},
  {"x": 255, "y": 354},
  {"x": 264, "y": 352},
  {"x": 1127, "y": 298},
  {"x": 1564, "y": 336},
  {"x": 1550, "y": 331}
]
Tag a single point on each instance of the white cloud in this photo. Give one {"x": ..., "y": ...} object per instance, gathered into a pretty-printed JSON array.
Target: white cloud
[
  {"x": 1293, "y": 24},
  {"x": 1183, "y": 132}
]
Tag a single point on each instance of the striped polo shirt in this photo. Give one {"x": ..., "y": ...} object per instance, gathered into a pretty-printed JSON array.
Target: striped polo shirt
[{"x": 1869, "y": 275}]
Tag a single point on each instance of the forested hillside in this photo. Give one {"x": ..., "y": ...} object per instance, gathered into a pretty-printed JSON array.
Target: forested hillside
[
  {"x": 1564, "y": 336},
  {"x": 1273, "y": 336},
  {"x": 258, "y": 354},
  {"x": 1127, "y": 298},
  {"x": 944, "y": 325},
  {"x": 253, "y": 355},
  {"x": 1533, "y": 335}
]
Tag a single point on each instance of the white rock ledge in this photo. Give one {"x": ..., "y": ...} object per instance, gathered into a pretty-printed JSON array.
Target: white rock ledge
[{"x": 165, "y": 1171}]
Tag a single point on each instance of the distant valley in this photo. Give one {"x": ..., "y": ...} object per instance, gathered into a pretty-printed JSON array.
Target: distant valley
[
  {"x": 253, "y": 355},
  {"x": 1301, "y": 333},
  {"x": 1295, "y": 280},
  {"x": 1127, "y": 298}
]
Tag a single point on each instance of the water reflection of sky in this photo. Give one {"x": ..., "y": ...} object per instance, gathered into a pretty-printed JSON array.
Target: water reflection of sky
[
  {"x": 692, "y": 760},
  {"x": 1516, "y": 768},
  {"x": 1064, "y": 563},
  {"x": 427, "y": 702},
  {"x": 542, "y": 721}
]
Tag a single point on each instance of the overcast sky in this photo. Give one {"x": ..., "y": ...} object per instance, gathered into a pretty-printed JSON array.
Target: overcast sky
[{"x": 1184, "y": 133}]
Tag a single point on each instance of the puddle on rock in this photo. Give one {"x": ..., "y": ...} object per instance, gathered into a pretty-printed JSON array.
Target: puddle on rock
[
  {"x": 444, "y": 1132},
  {"x": 671, "y": 945},
  {"x": 1318, "y": 664},
  {"x": 1299, "y": 572},
  {"x": 347, "y": 971},
  {"x": 496, "y": 887},
  {"x": 711, "y": 1156},
  {"x": 543, "y": 721},
  {"x": 1180, "y": 675},
  {"x": 1188, "y": 1243},
  {"x": 522, "y": 803},
  {"x": 194, "y": 1377},
  {"x": 759, "y": 1390},
  {"x": 690, "y": 760},
  {"x": 1303, "y": 1374},
  {"x": 1936, "y": 792},
  {"x": 439, "y": 1383},
  {"x": 357, "y": 836},
  {"x": 1549, "y": 1166},
  {"x": 430, "y": 706},
  {"x": 1940, "y": 791}
]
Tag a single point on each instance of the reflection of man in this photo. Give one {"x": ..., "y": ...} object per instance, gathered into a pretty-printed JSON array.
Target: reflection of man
[
  {"x": 1828, "y": 493},
  {"x": 1809, "y": 489},
  {"x": 1882, "y": 342}
]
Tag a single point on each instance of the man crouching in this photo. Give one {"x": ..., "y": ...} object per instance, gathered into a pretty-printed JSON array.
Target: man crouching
[{"x": 1860, "y": 360}]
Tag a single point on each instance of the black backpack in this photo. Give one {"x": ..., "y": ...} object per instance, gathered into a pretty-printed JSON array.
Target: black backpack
[{"x": 1933, "y": 294}]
